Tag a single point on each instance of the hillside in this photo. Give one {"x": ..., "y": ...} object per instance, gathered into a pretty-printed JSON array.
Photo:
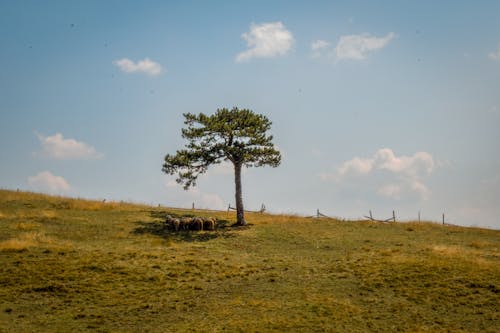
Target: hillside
[{"x": 71, "y": 265}]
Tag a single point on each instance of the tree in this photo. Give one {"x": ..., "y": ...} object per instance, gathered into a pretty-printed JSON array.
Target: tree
[{"x": 238, "y": 136}]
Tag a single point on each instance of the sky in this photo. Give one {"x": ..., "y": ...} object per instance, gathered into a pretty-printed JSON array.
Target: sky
[{"x": 376, "y": 105}]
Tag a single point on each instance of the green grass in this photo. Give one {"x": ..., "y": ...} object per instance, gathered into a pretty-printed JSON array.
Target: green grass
[{"x": 70, "y": 265}]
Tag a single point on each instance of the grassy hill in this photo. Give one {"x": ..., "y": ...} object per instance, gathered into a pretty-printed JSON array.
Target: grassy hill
[{"x": 71, "y": 265}]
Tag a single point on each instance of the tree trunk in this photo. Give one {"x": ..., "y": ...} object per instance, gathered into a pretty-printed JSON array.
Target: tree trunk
[{"x": 240, "y": 213}]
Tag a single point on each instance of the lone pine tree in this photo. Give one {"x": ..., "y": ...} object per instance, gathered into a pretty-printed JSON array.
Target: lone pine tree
[{"x": 238, "y": 136}]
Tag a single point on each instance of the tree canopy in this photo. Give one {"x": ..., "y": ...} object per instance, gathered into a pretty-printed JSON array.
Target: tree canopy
[{"x": 237, "y": 135}]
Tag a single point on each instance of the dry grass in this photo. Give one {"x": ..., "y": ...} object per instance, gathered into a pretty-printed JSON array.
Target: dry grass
[
  {"x": 89, "y": 205},
  {"x": 25, "y": 241},
  {"x": 72, "y": 266},
  {"x": 479, "y": 244},
  {"x": 25, "y": 226},
  {"x": 451, "y": 251}
]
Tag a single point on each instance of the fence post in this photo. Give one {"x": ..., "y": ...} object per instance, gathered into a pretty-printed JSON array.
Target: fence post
[
  {"x": 192, "y": 206},
  {"x": 393, "y": 216},
  {"x": 443, "y": 218},
  {"x": 371, "y": 217},
  {"x": 418, "y": 216}
]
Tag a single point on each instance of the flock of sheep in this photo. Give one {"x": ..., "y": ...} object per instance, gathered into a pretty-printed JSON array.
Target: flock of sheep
[{"x": 190, "y": 223}]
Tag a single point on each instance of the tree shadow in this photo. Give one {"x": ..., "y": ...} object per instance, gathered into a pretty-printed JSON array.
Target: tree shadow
[{"x": 159, "y": 228}]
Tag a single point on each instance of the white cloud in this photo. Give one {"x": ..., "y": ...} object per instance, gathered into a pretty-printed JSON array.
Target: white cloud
[
  {"x": 420, "y": 188},
  {"x": 266, "y": 40},
  {"x": 357, "y": 165},
  {"x": 419, "y": 163},
  {"x": 385, "y": 159},
  {"x": 47, "y": 182},
  {"x": 406, "y": 185},
  {"x": 495, "y": 55},
  {"x": 407, "y": 169},
  {"x": 354, "y": 166},
  {"x": 357, "y": 47},
  {"x": 146, "y": 66},
  {"x": 319, "y": 44},
  {"x": 57, "y": 147}
]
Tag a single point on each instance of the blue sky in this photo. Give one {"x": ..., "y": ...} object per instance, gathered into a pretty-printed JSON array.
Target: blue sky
[{"x": 388, "y": 105}]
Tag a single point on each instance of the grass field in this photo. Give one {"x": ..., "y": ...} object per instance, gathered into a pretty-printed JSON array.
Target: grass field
[{"x": 70, "y": 265}]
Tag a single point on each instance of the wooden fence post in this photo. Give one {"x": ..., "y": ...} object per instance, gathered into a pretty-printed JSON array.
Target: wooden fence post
[
  {"x": 393, "y": 216},
  {"x": 443, "y": 218}
]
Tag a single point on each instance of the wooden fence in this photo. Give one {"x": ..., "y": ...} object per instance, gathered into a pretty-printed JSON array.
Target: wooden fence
[
  {"x": 371, "y": 218},
  {"x": 393, "y": 218},
  {"x": 321, "y": 215},
  {"x": 261, "y": 210}
]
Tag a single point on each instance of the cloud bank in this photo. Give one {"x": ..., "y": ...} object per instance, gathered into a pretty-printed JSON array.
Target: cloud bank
[
  {"x": 266, "y": 40},
  {"x": 406, "y": 172}
]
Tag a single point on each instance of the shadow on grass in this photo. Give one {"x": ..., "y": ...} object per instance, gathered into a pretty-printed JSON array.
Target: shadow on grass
[{"x": 159, "y": 228}]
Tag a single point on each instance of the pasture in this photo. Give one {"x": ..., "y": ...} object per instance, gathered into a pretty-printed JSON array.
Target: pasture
[{"x": 69, "y": 265}]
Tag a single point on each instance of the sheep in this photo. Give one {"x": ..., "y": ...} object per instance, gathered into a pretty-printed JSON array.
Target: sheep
[
  {"x": 175, "y": 224},
  {"x": 190, "y": 223},
  {"x": 209, "y": 223},
  {"x": 185, "y": 223},
  {"x": 172, "y": 222},
  {"x": 168, "y": 220},
  {"x": 196, "y": 224}
]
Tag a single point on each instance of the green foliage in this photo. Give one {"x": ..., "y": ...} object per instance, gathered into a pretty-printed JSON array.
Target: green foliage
[{"x": 235, "y": 135}]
